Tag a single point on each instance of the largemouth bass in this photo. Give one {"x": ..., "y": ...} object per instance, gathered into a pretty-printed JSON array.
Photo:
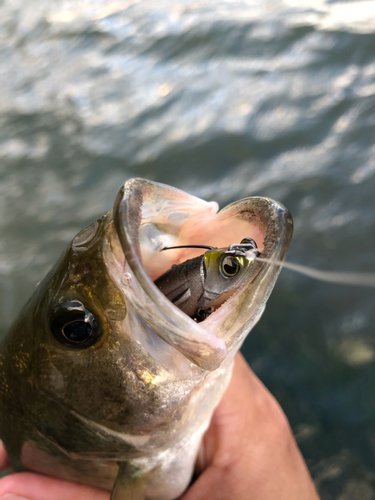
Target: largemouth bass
[{"x": 103, "y": 380}]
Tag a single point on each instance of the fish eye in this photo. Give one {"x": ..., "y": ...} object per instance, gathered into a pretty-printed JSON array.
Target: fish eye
[
  {"x": 73, "y": 325},
  {"x": 230, "y": 266}
]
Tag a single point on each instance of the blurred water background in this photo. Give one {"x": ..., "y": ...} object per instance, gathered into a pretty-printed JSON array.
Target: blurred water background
[{"x": 224, "y": 99}]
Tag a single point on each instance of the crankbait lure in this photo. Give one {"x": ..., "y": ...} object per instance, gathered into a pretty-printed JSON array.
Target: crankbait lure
[{"x": 199, "y": 285}]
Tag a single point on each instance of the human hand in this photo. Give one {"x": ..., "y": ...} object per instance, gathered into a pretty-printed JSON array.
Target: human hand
[
  {"x": 30, "y": 486},
  {"x": 247, "y": 453}
]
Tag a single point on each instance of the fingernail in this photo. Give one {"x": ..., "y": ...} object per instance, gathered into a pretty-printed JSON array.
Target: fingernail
[{"x": 10, "y": 496}]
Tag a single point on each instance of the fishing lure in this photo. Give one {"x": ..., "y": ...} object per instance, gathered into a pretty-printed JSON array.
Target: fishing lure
[{"x": 199, "y": 285}]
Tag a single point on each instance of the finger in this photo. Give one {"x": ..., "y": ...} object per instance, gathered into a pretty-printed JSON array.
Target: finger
[
  {"x": 4, "y": 462},
  {"x": 38, "y": 487},
  {"x": 253, "y": 452}
]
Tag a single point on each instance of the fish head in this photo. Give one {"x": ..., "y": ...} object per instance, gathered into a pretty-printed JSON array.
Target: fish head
[{"x": 149, "y": 217}]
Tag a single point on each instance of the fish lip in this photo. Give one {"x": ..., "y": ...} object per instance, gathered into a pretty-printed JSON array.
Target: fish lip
[
  {"x": 201, "y": 343},
  {"x": 277, "y": 239},
  {"x": 202, "y": 348}
]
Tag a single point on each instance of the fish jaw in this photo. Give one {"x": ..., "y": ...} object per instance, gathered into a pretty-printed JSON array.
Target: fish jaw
[{"x": 149, "y": 216}]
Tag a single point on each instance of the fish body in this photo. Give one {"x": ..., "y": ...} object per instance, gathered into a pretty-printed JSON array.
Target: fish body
[{"x": 103, "y": 380}]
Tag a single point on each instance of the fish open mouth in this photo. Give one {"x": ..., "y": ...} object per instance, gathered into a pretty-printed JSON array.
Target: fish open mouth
[{"x": 149, "y": 216}]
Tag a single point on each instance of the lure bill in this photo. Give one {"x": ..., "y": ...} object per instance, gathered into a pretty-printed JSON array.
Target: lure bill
[{"x": 103, "y": 380}]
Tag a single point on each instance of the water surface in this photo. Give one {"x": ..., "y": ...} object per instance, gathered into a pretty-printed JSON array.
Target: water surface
[{"x": 225, "y": 100}]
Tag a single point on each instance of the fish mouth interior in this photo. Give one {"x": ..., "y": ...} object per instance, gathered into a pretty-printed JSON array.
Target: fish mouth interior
[
  {"x": 149, "y": 217},
  {"x": 202, "y": 228},
  {"x": 205, "y": 227}
]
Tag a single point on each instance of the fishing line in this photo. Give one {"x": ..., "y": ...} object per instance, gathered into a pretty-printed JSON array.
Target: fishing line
[{"x": 340, "y": 277}]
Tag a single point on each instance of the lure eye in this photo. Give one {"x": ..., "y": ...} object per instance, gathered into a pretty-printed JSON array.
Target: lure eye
[
  {"x": 73, "y": 325},
  {"x": 230, "y": 266}
]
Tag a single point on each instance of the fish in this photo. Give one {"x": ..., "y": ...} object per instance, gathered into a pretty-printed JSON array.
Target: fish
[{"x": 103, "y": 380}]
